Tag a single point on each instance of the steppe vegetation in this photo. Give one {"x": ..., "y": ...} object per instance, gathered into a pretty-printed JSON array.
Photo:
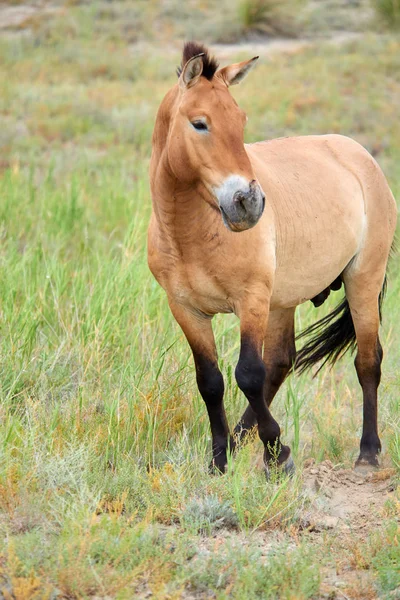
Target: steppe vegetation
[{"x": 104, "y": 439}]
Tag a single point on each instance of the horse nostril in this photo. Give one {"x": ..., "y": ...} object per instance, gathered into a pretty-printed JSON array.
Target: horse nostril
[{"x": 239, "y": 198}]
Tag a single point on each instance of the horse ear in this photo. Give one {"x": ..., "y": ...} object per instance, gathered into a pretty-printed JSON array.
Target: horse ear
[
  {"x": 192, "y": 71},
  {"x": 234, "y": 74}
]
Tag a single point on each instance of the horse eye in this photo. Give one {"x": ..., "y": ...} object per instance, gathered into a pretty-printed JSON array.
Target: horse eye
[{"x": 200, "y": 125}]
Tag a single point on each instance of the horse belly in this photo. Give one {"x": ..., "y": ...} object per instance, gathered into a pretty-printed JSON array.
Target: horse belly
[{"x": 297, "y": 281}]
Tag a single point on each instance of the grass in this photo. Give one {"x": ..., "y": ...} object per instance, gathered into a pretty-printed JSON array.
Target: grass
[
  {"x": 389, "y": 12},
  {"x": 104, "y": 440},
  {"x": 212, "y": 21},
  {"x": 269, "y": 17}
]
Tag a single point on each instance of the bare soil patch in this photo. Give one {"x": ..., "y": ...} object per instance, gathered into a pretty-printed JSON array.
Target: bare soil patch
[
  {"x": 344, "y": 508},
  {"x": 346, "y": 499},
  {"x": 347, "y": 507}
]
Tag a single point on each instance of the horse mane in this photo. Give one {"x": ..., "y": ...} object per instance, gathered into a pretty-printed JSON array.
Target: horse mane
[{"x": 210, "y": 64}]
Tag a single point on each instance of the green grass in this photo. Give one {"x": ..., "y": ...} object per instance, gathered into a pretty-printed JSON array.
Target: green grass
[
  {"x": 104, "y": 440},
  {"x": 389, "y": 12}
]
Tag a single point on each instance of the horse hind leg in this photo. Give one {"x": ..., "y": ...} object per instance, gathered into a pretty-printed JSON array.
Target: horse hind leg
[
  {"x": 364, "y": 301},
  {"x": 278, "y": 356}
]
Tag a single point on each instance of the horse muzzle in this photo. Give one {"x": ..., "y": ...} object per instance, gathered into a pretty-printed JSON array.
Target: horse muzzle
[{"x": 241, "y": 203}]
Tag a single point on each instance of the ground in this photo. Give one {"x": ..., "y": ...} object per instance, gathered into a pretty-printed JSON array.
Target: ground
[{"x": 104, "y": 440}]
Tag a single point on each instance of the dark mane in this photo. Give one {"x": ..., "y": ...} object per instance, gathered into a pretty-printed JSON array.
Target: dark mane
[{"x": 190, "y": 49}]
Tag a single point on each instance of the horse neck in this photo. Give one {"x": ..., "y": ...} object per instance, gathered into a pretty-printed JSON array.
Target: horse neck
[{"x": 182, "y": 210}]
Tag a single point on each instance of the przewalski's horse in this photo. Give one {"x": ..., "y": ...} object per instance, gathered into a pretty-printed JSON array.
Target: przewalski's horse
[{"x": 312, "y": 212}]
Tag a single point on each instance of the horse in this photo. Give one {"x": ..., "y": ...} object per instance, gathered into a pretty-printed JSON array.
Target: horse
[{"x": 256, "y": 230}]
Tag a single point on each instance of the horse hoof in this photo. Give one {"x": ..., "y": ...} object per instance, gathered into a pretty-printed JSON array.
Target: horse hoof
[
  {"x": 287, "y": 468},
  {"x": 366, "y": 465}
]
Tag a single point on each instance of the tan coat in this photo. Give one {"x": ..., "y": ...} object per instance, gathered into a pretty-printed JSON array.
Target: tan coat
[{"x": 329, "y": 214}]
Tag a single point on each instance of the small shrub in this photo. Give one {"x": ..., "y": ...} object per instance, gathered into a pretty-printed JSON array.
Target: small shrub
[{"x": 208, "y": 514}]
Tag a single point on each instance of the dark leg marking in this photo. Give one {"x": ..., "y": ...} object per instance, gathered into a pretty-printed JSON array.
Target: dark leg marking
[
  {"x": 369, "y": 376},
  {"x": 277, "y": 374},
  {"x": 211, "y": 386},
  {"x": 278, "y": 360},
  {"x": 246, "y": 423},
  {"x": 250, "y": 376}
]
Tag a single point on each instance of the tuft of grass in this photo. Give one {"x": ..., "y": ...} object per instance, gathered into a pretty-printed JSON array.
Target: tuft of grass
[
  {"x": 270, "y": 17},
  {"x": 237, "y": 571},
  {"x": 386, "y": 561},
  {"x": 388, "y": 11}
]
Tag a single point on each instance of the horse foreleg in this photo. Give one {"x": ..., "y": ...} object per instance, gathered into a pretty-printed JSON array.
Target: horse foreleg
[
  {"x": 199, "y": 334},
  {"x": 251, "y": 374},
  {"x": 279, "y": 354}
]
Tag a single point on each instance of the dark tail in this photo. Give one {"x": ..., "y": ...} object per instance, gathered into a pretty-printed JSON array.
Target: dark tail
[{"x": 331, "y": 337}]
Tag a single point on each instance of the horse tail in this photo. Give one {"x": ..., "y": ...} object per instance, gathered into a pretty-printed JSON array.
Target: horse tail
[{"x": 330, "y": 337}]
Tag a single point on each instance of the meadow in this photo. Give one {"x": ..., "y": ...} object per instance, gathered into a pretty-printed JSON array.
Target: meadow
[{"x": 104, "y": 439}]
